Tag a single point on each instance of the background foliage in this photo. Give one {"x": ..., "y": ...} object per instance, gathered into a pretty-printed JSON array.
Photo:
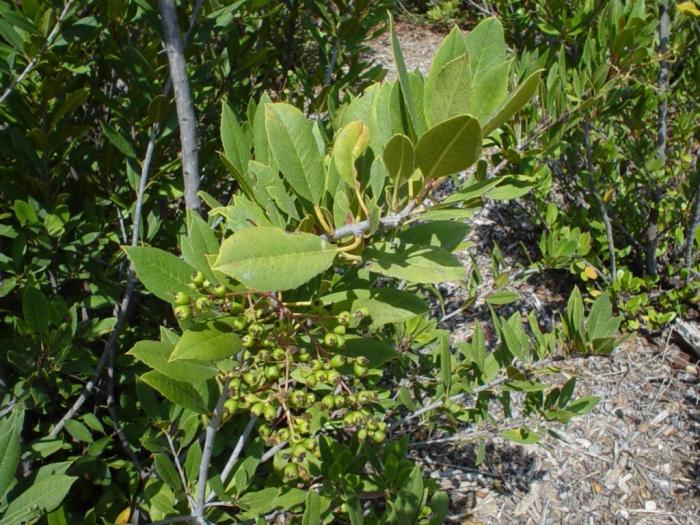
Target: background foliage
[{"x": 75, "y": 140}]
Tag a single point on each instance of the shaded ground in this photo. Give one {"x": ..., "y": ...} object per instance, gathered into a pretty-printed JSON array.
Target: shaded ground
[{"x": 634, "y": 459}]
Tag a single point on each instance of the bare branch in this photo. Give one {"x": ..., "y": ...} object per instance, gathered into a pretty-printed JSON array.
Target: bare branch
[
  {"x": 183, "y": 102},
  {"x": 35, "y": 60},
  {"x": 212, "y": 428}
]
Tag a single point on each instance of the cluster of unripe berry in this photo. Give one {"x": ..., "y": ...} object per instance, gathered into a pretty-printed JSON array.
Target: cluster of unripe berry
[{"x": 290, "y": 373}]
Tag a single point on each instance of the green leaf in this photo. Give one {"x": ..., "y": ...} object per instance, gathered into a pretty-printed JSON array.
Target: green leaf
[
  {"x": 583, "y": 405},
  {"x": 409, "y": 500},
  {"x": 521, "y": 435},
  {"x": 350, "y": 144},
  {"x": 79, "y": 431},
  {"x": 208, "y": 344},
  {"x": 292, "y": 141},
  {"x": 266, "y": 259},
  {"x": 166, "y": 472},
  {"x": 399, "y": 158},
  {"x": 439, "y": 504},
  {"x": 599, "y": 318},
  {"x": 312, "y": 512},
  {"x": 451, "y": 47},
  {"x": 503, "y": 297},
  {"x": 488, "y": 91},
  {"x": 179, "y": 392},
  {"x": 377, "y": 352},
  {"x": 403, "y": 74},
  {"x": 234, "y": 140},
  {"x": 445, "y": 363},
  {"x": 415, "y": 263},
  {"x": 42, "y": 497},
  {"x": 449, "y": 90},
  {"x": 267, "y": 180},
  {"x": 384, "y": 305},
  {"x": 10, "y": 429},
  {"x": 162, "y": 273},
  {"x": 260, "y": 142},
  {"x": 447, "y": 235},
  {"x": 511, "y": 187},
  {"x": 199, "y": 242},
  {"x": 118, "y": 140},
  {"x": 36, "y": 310},
  {"x": 514, "y": 103},
  {"x": 156, "y": 355},
  {"x": 449, "y": 147},
  {"x": 486, "y": 46}
]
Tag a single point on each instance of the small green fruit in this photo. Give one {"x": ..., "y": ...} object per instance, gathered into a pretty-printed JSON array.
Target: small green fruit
[
  {"x": 378, "y": 437},
  {"x": 202, "y": 303},
  {"x": 360, "y": 371},
  {"x": 198, "y": 279},
  {"x": 362, "y": 434},
  {"x": 272, "y": 372},
  {"x": 331, "y": 340},
  {"x": 290, "y": 471},
  {"x": 257, "y": 409},
  {"x": 283, "y": 434},
  {"x": 236, "y": 308},
  {"x": 270, "y": 412},
  {"x": 278, "y": 354},
  {"x": 220, "y": 291},
  {"x": 231, "y": 405},
  {"x": 344, "y": 318},
  {"x": 247, "y": 341},
  {"x": 256, "y": 329},
  {"x": 339, "y": 330},
  {"x": 337, "y": 361},
  {"x": 182, "y": 312},
  {"x": 182, "y": 298},
  {"x": 328, "y": 401}
]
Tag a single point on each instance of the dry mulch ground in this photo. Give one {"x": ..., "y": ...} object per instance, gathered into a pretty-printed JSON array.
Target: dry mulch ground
[{"x": 634, "y": 459}]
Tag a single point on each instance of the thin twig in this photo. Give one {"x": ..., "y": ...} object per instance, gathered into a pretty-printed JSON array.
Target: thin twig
[
  {"x": 588, "y": 155},
  {"x": 242, "y": 439},
  {"x": 212, "y": 428},
  {"x": 35, "y": 60},
  {"x": 178, "y": 466}
]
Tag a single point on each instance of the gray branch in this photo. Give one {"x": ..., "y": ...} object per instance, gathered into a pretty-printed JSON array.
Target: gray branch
[
  {"x": 212, "y": 428},
  {"x": 183, "y": 103},
  {"x": 661, "y": 139}
]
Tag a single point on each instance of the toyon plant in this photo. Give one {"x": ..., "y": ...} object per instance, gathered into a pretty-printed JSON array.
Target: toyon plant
[{"x": 305, "y": 356}]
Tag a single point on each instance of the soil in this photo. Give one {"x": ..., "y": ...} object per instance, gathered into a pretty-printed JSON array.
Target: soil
[{"x": 634, "y": 459}]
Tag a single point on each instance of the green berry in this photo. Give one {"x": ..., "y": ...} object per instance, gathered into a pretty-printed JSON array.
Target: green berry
[
  {"x": 256, "y": 329},
  {"x": 333, "y": 376},
  {"x": 328, "y": 401},
  {"x": 182, "y": 312},
  {"x": 272, "y": 372},
  {"x": 238, "y": 324},
  {"x": 339, "y": 401},
  {"x": 198, "y": 279},
  {"x": 360, "y": 371},
  {"x": 362, "y": 434},
  {"x": 339, "y": 330},
  {"x": 247, "y": 341},
  {"x": 337, "y": 361},
  {"x": 283, "y": 434},
  {"x": 250, "y": 378},
  {"x": 344, "y": 318},
  {"x": 181, "y": 298},
  {"x": 378, "y": 437},
  {"x": 290, "y": 471},
  {"x": 257, "y": 409},
  {"x": 264, "y": 430},
  {"x": 206, "y": 285},
  {"x": 231, "y": 405},
  {"x": 270, "y": 412},
  {"x": 331, "y": 340},
  {"x": 220, "y": 291},
  {"x": 236, "y": 308},
  {"x": 278, "y": 354},
  {"x": 202, "y": 303}
]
